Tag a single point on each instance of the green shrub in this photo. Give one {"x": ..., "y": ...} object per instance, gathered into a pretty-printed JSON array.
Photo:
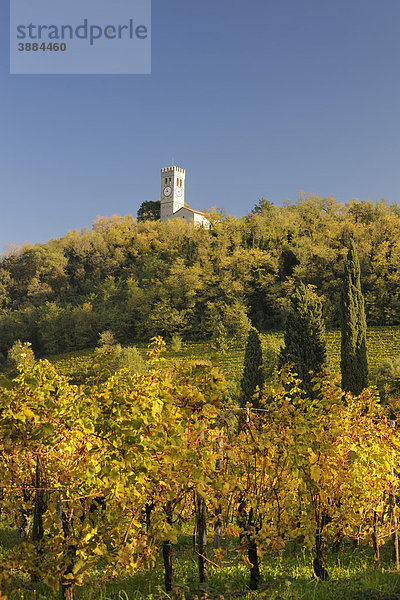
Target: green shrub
[
  {"x": 18, "y": 353},
  {"x": 387, "y": 378},
  {"x": 107, "y": 339},
  {"x": 176, "y": 343},
  {"x": 131, "y": 359},
  {"x": 114, "y": 358}
]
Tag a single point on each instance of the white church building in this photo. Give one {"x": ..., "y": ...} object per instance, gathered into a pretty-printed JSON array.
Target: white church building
[{"x": 173, "y": 198}]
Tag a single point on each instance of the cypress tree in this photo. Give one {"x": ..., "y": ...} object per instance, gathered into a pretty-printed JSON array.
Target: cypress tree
[
  {"x": 353, "y": 358},
  {"x": 253, "y": 372},
  {"x": 305, "y": 344}
]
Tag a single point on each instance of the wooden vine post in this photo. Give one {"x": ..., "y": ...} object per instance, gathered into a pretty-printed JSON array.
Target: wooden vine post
[
  {"x": 202, "y": 537},
  {"x": 395, "y": 532},
  {"x": 38, "y": 510},
  {"x": 375, "y": 538},
  {"x": 167, "y": 551},
  {"x": 37, "y": 531},
  {"x": 251, "y": 529},
  {"x": 68, "y": 584},
  {"x": 201, "y": 514},
  {"x": 218, "y": 509}
]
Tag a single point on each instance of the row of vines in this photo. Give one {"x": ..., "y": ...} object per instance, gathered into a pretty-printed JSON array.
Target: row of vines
[
  {"x": 114, "y": 470},
  {"x": 382, "y": 342}
]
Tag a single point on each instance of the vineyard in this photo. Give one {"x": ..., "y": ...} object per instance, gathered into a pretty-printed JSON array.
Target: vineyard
[
  {"x": 382, "y": 342},
  {"x": 154, "y": 485}
]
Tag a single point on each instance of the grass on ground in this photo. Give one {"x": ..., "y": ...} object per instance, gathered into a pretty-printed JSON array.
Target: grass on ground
[{"x": 286, "y": 575}]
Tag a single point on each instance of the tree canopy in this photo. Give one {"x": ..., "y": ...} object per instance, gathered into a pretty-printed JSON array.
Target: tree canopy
[
  {"x": 146, "y": 278},
  {"x": 149, "y": 211}
]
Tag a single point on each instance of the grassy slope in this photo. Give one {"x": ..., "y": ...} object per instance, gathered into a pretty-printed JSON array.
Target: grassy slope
[{"x": 383, "y": 342}]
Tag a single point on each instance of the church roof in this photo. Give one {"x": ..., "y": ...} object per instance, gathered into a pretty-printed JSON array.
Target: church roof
[{"x": 197, "y": 212}]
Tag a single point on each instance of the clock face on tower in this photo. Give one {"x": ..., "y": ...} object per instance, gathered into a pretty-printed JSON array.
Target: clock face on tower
[
  {"x": 167, "y": 191},
  {"x": 178, "y": 192}
]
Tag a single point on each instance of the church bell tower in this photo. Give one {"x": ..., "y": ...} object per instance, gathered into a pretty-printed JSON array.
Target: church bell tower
[{"x": 172, "y": 191}]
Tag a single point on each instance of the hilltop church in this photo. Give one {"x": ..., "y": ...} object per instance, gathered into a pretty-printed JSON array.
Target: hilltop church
[{"x": 173, "y": 198}]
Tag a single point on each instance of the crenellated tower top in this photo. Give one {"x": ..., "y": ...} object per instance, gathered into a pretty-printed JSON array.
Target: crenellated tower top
[{"x": 172, "y": 191}]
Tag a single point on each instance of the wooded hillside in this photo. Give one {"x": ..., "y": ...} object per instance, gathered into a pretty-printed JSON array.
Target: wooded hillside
[{"x": 148, "y": 278}]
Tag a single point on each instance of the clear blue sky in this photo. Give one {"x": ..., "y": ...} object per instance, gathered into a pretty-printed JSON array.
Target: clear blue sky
[{"x": 254, "y": 98}]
